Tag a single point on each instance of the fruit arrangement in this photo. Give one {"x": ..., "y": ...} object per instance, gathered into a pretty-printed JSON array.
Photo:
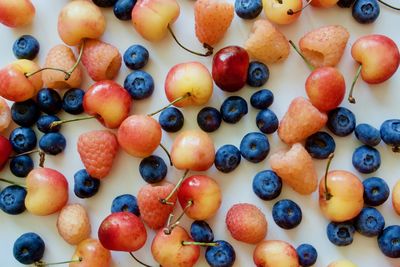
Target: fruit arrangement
[{"x": 139, "y": 133}]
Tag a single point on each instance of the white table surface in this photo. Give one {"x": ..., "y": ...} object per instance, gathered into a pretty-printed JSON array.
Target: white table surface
[{"x": 374, "y": 105}]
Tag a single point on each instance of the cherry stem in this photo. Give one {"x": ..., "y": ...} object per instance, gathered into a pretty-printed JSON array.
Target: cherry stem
[
  {"x": 56, "y": 123},
  {"x": 67, "y": 73},
  {"x": 41, "y": 263},
  {"x": 11, "y": 182},
  {"x": 42, "y": 156},
  {"x": 351, "y": 99},
  {"x": 167, "y": 152},
  {"x": 388, "y": 5},
  {"x": 302, "y": 56},
  {"x": 165, "y": 200},
  {"x": 170, "y": 104},
  {"x": 291, "y": 12},
  {"x": 25, "y": 153},
  {"x": 139, "y": 261},
  {"x": 327, "y": 194},
  {"x": 190, "y": 243},
  {"x": 210, "y": 49},
  {"x": 170, "y": 226}
]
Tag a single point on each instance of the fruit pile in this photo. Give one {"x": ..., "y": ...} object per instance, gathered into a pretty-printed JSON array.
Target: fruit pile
[{"x": 34, "y": 97}]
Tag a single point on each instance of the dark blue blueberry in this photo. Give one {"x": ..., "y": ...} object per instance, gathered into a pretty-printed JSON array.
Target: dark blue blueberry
[
  {"x": 25, "y": 113},
  {"x": 248, "y": 9},
  {"x": 72, "y": 101},
  {"x": 28, "y": 248},
  {"x": 227, "y": 158},
  {"x": 12, "y": 199},
  {"x": 340, "y": 234},
  {"x": 233, "y": 109},
  {"x": 49, "y": 101},
  {"x": 369, "y": 222},
  {"x": 390, "y": 133},
  {"x": 286, "y": 214},
  {"x": 267, "y": 121},
  {"x": 262, "y": 99},
  {"x": 209, "y": 119},
  {"x": 136, "y": 57},
  {"x": 125, "y": 202},
  {"x": 139, "y": 84},
  {"x": 20, "y": 166},
  {"x": 23, "y": 139},
  {"x": 254, "y": 147},
  {"x": 376, "y": 191},
  {"x": 200, "y": 231},
  {"x": 44, "y": 122},
  {"x": 389, "y": 241},
  {"x": 345, "y": 3},
  {"x": 366, "y": 159},
  {"x": 104, "y": 3},
  {"x": 222, "y": 255},
  {"x": 341, "y": 121},
  {"x": 267, "y": 185},
  {"x": 171, "y": 120},
  {"x": 153, "y": 169},
  {"x": 257, "y": 73},
  {"x": 52, "y": 143},
  {"x": 307, "y": 255},
  {"x": 26, "y": 47},
  {"x": 365, "y": 11},
  {"x": 320, "y": 145},
  {"x": 85, "y": 186},
  {"x": 123, "y": 9},
  {"x": 367, "y": 134}
]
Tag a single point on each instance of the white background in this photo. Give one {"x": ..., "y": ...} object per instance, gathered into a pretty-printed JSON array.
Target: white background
[{"x": 374, "y": 105}]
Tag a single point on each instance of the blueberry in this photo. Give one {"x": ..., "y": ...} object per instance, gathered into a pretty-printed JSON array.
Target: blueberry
[
  {"x": 367, "y": 134},
  {"x": 389, "y": 241},
  {"x": 21, "y": 166},
  {"x": 153, "y": 169},
  {"x": 200, "y": 231},
  {"x": 23, "y": 139},
  {"x": 257, "y": 73},
  {"x": 85, "y": 186},
  {"x": 171, "y": 120},
  {"x": 123, "y": 9},
  {"x": 44, "y": 122},
  {"x": 125, "y": 202},
  {"x": 341, "y": 121},
  {"x": 136, "y": 57},
  {"x": 222, "y": 255},
  {"x": 25, "y": 113},
  {"x": 390, "y": 133},
  {"x": 28, "y": 248},
  {"x": 12, "y": 199},
  {"x": 72, "y": 101},
  {"x": 320, "y": 145},
  {"x": 267, "y": 185},
  {"x": 262, "y": 99},
  {"x": 286, "y": 214},
  {"x": 376, "y": 191},
  {"x": 209, "y": 119},
  {"x": 227, "y": 158},
  {"x": 267, "y": 121},
  {"x": 104, "y": 3},
  {"x": 248, "y": 9},
  {"x": 345, "y": 3},
  {"x": 52, "y": 143},
  {"x": 307, "y": 255},
  {"x": 369, "y": 222},
  {"x": 49, "y": 101},
  {"x": 233, "y": 109},
  {"x": 365, "y": 11},
  {"x": 139, "y": 84},
  {"x": 340, "y": 234},
  {"x": 254, "y": 147},
  {"x": 366, "y": 159},
  {"x": 26, "y": 47}
]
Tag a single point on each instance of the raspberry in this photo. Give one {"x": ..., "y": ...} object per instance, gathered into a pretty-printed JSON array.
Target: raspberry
[
  {"x": 73, "y": 224},
  {"x": 98, "y": 150},
  {"x": 102, "y": 60},
  {"x": 5, "y": 115},
  {"x": 212, "y": 20}
]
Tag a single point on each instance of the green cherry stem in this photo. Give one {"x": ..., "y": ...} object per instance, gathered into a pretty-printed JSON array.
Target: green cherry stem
[
  {"x": 41, "y": 263},
  {"x": 291, "y": 12},
  {"x": 388, "y": 5},
  {"x": 25, "y": 153},
  {"x": 167, "y": 152},
  {"x": 170, "y": 104},
  {"x": 170, "y": 226},
  {"x": 327, "y": 194},
  {"x": 191, "y": 243},
  {"x": 351, "y": 99},
  {"x": 166, "y": 200},
  {"x": 42, "y": 156},
  {"x": 302, "y": 56},
  {"x": 56, "y": 123},
  {"x": 210, "y": 49},
  {"x": 139, "y": 261},
  {"x": 12, "y": 182}
]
